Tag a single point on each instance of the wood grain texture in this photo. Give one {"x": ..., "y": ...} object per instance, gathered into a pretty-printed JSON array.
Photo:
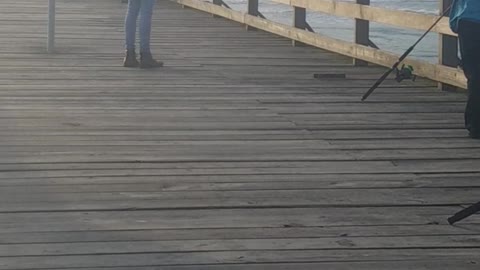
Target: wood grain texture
[{"x": 231, "y": 157}]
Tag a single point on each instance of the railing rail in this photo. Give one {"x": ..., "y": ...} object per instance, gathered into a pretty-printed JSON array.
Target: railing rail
[{"x": 445, "y": 72}]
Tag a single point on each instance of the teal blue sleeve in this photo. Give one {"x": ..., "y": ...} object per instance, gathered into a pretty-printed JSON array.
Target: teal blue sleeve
[
  {"x": 454, "y": 15},
  {"x": 464, "y": 10}
]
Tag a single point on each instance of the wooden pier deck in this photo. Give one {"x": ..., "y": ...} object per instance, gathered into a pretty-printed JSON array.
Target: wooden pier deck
[{"x": 231, "y": 157}]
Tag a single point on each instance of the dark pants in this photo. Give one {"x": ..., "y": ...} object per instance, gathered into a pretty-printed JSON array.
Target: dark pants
[{"x": 469, "y": 35}]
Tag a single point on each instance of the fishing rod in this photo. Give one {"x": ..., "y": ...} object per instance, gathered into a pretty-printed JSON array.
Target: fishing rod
[{"x": 400, "y": 60}]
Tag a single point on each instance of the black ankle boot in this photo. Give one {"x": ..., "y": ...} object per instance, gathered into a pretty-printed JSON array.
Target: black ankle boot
[
  {"x": 147, "y": 61},
  {"x": 474, "y": 133},
  {"x": 130, "y": 60}
]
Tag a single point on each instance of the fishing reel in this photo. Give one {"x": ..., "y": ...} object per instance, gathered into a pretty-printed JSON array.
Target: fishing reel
[{"x": 405, "y": 73}]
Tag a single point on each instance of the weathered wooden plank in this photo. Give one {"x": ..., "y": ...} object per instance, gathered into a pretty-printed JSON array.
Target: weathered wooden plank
[
  {"x": 225, "y": 218},
  {"x": 259, "y": 167},
  {"x": 161, "y": 200},
  {"x": 242, "y": 257},
  {"x": 391, "y": 134},
  {"x": 122, "y": 143},
  {"x": 234, "y": 183},
  {"x": 256, "y": 183},
  {"x": 154, "y": 159},
  {"x": 298, "y": 244},
  {"x": 237, "y": 233},
  {"x": 377, "y": 265}
]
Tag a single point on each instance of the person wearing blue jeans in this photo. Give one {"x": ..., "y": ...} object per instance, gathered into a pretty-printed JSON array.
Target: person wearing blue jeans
[
  {"x": 144, "y": 8},
  {"x": 465, "y": 20}
]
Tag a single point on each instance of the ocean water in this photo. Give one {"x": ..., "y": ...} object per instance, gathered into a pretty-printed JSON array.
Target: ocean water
[{"x": 388, "y": 38}]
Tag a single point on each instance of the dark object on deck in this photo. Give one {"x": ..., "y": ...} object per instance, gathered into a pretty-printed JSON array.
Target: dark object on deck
[
  {"x": 330, "y": 76},
  {"x": 400, "y": 60},
  {"x": 405, "y": 73},
  {"x": 465, "y": 213}
]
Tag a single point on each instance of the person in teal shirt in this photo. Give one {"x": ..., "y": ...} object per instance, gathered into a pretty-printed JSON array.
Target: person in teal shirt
[{"x": 465, "y": 20}]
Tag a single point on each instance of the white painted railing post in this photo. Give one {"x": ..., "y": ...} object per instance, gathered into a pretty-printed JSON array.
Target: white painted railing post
[{"x": 51, "y": 26}]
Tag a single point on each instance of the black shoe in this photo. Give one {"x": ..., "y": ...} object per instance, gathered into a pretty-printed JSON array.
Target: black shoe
[
  {"x": 474, "y": 133},
  {"x": 130, "y": 60},
  {"x": 474, "y": 136},
  {"x": 147, "y": 61}
]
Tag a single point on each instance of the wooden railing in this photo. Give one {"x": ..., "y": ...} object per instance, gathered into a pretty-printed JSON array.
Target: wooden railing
[{"x": 363, "y": 51}]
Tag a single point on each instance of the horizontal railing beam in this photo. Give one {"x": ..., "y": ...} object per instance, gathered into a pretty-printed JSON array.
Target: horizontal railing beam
[{"x": 403, "y": 19}]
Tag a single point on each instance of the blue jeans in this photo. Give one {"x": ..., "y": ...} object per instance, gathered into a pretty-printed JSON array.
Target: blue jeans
[{"x": 144, "y": 8}]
